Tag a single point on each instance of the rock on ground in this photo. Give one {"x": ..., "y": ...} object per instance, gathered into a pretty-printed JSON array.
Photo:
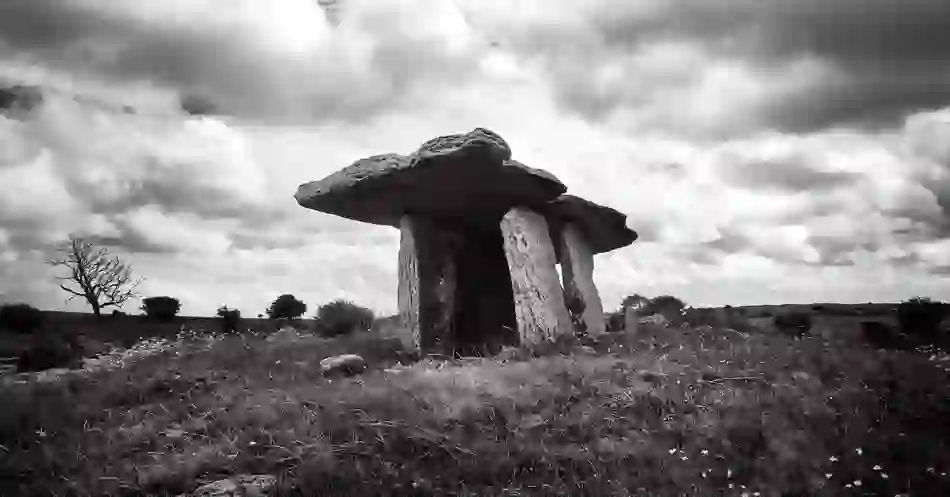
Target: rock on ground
[
  {"x": 345, "y": 364},
  {"x": 238, "y": 486}
]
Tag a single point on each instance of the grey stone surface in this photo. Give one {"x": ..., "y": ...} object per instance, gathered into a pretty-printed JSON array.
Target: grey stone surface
[
  {"x": 467, "y": 175},
  {"x": 345, "y": 364},
  {"x": 238, "y": 486},
  {"x": 604, "y": 228},
  {"x": 539, "y": 304}
]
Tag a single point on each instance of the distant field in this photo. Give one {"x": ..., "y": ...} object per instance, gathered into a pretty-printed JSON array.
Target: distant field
[{"x": 123, "y": 330}]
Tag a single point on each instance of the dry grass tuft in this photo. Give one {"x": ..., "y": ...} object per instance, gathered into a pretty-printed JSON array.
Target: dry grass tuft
[{"x": 697, "y": 412}]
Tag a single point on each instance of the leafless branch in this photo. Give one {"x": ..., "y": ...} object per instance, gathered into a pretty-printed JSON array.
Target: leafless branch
[{"x": 102, "y": 280}]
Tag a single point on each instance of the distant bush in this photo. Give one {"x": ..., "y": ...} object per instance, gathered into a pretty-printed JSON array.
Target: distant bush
[
  {"x": 793, "y": 323},
  {"x": 117, "y": 313},
  {"x": 286, "y": 306},
  {"x": 616, "y": 320},
  {"x": 342, "y": 317},
  {"x": 726, "y": 317},
  {"x": 882, "y": 336},
  {"x": 161, "y": 308},
  {"x": 50, "y": 350},
  {"x": 920, "y": 318},
  {"x": 667, "y": 305},
  {"x": 230, "y": 319},
  {"x": 20, "y": 318}
]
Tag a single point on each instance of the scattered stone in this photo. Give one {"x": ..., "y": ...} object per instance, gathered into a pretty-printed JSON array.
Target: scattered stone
[
  {"x": 284, "y": 334},
  {"x": 801, "y": 376},
  {"x": 345, "y": 364},
  {"x": 508, "y": 354},
  {"x": 238, "y": 486},
  {"x": 655, "y": 319}
]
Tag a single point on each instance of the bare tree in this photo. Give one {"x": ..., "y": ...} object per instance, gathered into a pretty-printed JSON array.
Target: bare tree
[{"x": 101, "y": 279}]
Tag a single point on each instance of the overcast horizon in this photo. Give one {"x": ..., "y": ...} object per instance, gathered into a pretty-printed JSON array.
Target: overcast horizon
[{"x": 768, "y": 152}]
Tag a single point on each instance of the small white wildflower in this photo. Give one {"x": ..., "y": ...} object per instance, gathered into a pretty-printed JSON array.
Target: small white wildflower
[
  {"x": 704, "y": 452},
  {"x": 728, "y": 473},
  {"x": 703, "y": 474},
  {"x": 847, "y": 486},
  {"x": 828, "y": 475},
  {"x": 877, "y": 467},
  {"x": 672, "y": 451},
  {"x": 833, "y": 459},
  {"x": 884, "y": 476},
  {"x": 857, "y": 483},
  {"x": 859, "y": 451}
]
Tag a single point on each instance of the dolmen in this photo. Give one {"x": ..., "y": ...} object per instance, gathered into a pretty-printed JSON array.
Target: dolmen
[{"x": 481, "y": 236}]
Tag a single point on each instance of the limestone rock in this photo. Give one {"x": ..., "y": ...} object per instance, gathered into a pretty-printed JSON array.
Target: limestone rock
[
  {"x": 285, "y": 334},
  {"x": 238, "y": 486},
  {"x": 468, "y": 175},
  {"x": 604, "y": 228},
  {"x": 345, "y": 364},
  {"x": 538, "y": 298},
  {"x": 631, "y": 321},
  {"x": 577, "y": 268},
  {"x": 655, "y": 319}
]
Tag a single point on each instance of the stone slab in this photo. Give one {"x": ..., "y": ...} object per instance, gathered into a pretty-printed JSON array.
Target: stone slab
[
  {"x": 468, "y": 175},
  {"x": 604, "y": 228}
]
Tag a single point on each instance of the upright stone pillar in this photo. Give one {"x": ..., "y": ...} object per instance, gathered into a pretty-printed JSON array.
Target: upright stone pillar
[
  {"x": 426, "y": 285},
  {"x": 631, "y": 321},
  {"x": 538, "y": 297},
  {"x": 577, "y": 269},
  {"x": 408, "y": 291}
]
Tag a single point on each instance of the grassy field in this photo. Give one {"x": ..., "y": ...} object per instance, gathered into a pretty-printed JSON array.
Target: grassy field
[
  {"x": 665, "y": 413},
  {"x": 123, "y": 331}
]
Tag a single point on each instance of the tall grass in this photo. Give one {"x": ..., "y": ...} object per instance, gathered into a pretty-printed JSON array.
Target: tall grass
[{"x": 670, "y": 413}]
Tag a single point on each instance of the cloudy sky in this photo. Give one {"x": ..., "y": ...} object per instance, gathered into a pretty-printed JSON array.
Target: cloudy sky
[{"x": 767, "y": 151}]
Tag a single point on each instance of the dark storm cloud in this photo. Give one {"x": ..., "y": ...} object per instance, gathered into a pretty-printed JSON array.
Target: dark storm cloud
[
  {"x": 881, "y": 59},
  {"x": 227, "y": 64},
  {"x": 787, "y": 176},
  {"x": 19, "y": 100}
]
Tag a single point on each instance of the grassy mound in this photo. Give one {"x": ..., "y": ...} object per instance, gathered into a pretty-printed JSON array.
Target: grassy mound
[{"x": 701, "y": 412}]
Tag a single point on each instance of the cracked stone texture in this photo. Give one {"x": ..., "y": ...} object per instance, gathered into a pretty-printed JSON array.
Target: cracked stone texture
[
  {"x": 467, "y": 175},
  {"x": 604, "y": 229}
]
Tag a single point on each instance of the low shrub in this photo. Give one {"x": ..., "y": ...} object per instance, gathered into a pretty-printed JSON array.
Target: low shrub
[
  {"x": 230, "y": 319},
  {"x": 20, "y": 318},
  {"x": 286, "y": 306},
  {"x": 793, "y": 323},
  {"x": 51, "y": 349},
  {"x": 882, "y": 336},
  {"x": 616, "y": 321},
  {"x": 161, "y": 308},
  {"x": 117, "y": 313},
  {"x": 920, "y": 317},
  {"x": 342, "y": 317}
]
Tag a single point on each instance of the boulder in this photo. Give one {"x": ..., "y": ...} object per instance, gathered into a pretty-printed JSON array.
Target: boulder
[
  {"x": 604, "y": 229},
  {"x": 655, "y": 319},
  {"x": 466, "y": 176},
  {"x": 238, "y": 486},
  {"x": 345, "y": 364},
  {"x": 285, "y": 334}
]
